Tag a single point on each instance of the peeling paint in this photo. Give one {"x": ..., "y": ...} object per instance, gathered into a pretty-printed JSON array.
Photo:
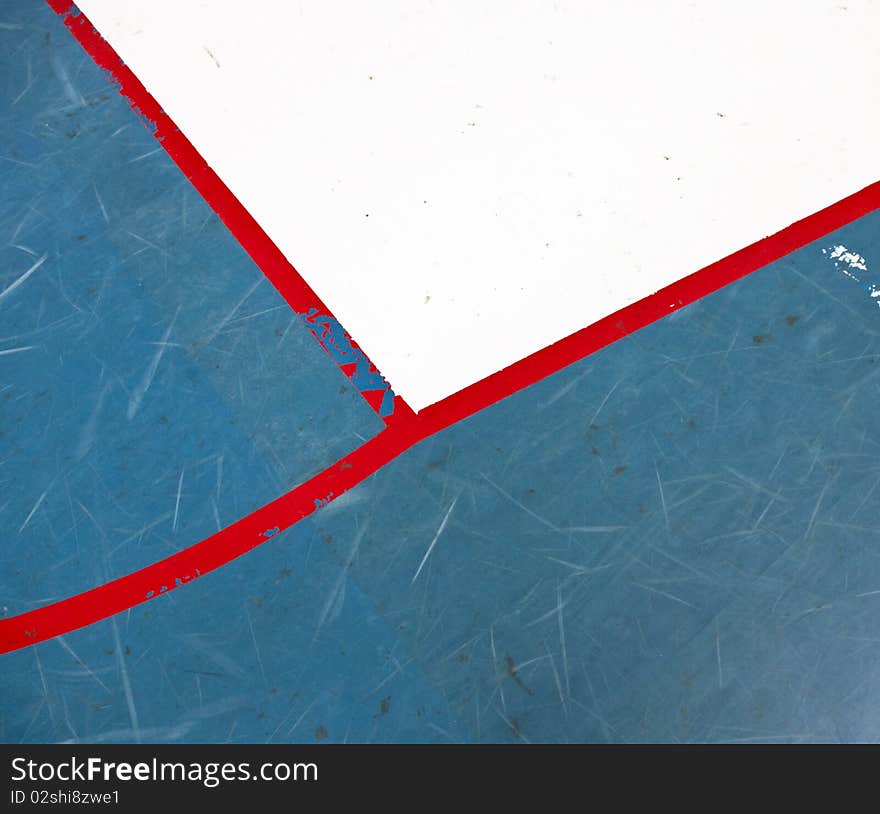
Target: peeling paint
[
  {"x": 854, "y": 266},
  {"x": 345, "y": 352}
]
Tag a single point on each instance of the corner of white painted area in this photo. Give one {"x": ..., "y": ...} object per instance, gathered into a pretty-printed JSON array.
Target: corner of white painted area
[{"x": 465, "y": 183}]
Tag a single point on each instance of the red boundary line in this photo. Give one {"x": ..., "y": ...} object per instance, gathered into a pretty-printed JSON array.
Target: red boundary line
[
  {"x": 633, "y": 317},
  {"x": 406, "y": 431},
  {"x": 298, "y": 294},
  {"x": 407, "y": 428}
]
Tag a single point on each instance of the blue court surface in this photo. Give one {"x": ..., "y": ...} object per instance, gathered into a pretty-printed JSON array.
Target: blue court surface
[{"x": 674, "y": 539}]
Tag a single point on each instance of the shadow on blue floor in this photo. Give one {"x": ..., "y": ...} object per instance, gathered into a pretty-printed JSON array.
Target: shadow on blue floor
[{"x": 154, "y": 387}]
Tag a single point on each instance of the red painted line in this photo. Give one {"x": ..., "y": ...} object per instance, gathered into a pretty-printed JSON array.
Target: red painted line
[
  {"x": 288, "y": 282},
  {"x": 405, "y": 428},
  {"x": 594, "y": 337},
  {"x": 218, "y": 549}
]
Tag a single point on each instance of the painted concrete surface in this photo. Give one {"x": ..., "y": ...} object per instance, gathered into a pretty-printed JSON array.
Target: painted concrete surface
[
  {"x": 464, "y": 183},
  {"x": 278, "y": 648},
  {"x": 674, "y": 539},
  {"x": 153, "y": 385}
]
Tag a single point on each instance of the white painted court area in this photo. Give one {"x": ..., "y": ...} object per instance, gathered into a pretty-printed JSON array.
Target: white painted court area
[{"x": 465, "y": 182}]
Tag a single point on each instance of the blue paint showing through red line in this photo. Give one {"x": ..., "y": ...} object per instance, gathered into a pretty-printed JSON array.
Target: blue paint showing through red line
[
  {"x": 345, "y": 352},
  {"x": 275, "y": 266}
]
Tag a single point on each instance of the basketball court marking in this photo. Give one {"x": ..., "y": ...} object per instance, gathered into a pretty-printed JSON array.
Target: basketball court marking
[
  {"x": 467, "y": 183},
  {"x": 406, "y": 428},
  {"x": 298, "y": 294},
  {"x": 272, "y": 519}
]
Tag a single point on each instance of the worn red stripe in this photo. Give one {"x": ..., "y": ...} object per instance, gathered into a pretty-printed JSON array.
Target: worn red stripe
[
  {"x": 405, "y": 428},
  {"x": 275, "y": 266}
]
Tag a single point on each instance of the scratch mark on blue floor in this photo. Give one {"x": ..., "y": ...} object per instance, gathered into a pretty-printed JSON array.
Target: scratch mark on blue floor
[
  {"x": 36, "y": 506},
  {"x": 137, "y": 395},
  {"x": 80, "y": 662},
  {"x": 126, "y": 682},
  {"x": 434, "y": 541},
  {"x": 12, "y": 286},
  {"x": 518, "y": 504},
  {"x": 177, "y": 500}
]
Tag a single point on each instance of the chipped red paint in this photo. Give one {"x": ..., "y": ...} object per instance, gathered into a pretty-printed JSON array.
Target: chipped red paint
[
  {"x": 293, "y": 288},
  {"x": 404, "y": 427},
  {"x": 203, "y": 557}
]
